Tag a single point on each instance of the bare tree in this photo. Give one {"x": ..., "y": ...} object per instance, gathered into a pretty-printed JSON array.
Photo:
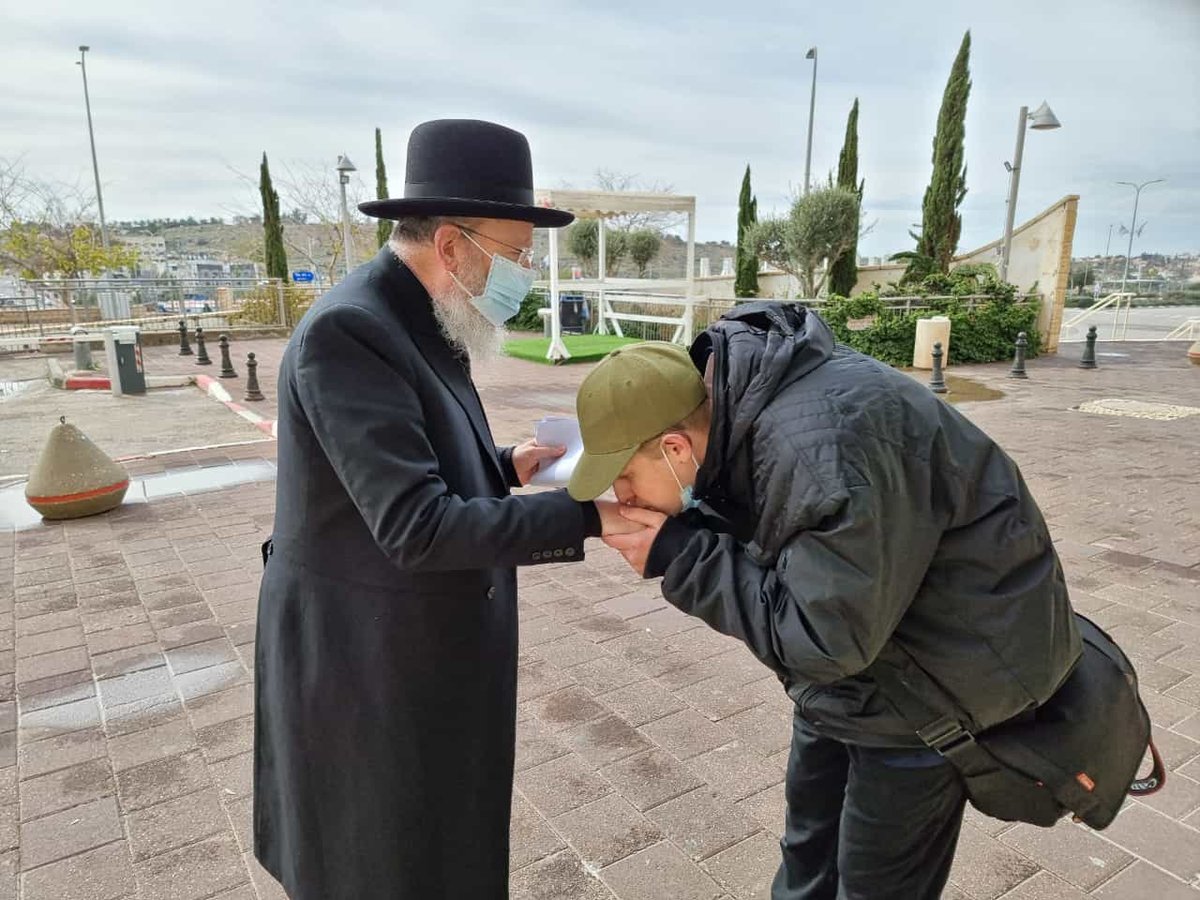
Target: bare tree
[{"x": 620, "y": 182}]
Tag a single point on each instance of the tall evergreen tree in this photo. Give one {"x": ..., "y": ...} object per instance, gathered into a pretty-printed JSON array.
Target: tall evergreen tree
[
  {"x": 845, "y": 268},
  {"x": 941, "y": 223},
  {"x": 383, "y": 229},
  {"x": 276, "y": 256},
  {"x": 745, "y": 280}
]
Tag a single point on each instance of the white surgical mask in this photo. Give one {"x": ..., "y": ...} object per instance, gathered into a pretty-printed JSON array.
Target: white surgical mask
[
  {"x": 507, "y": 285},
  {"x": 686, "y": 494}
]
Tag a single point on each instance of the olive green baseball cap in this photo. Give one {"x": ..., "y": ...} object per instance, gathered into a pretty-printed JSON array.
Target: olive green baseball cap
[{"x": 635, "y": 394}]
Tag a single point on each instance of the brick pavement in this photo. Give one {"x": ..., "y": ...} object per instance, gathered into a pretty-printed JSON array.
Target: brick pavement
[{"x": 651, "y": 750}]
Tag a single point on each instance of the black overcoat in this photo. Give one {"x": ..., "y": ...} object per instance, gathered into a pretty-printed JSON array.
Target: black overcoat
[{"x": 387, "y": 628}]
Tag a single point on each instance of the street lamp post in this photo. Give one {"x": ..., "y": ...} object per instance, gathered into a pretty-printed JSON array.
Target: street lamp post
[
  {"x": 812, "y": 106},
  {"x": 1041, "y": 119},
  {"x": 1137, "y": 195},
  {"x": 83, "y": 49},
  {"x": 344, "y": 168}
]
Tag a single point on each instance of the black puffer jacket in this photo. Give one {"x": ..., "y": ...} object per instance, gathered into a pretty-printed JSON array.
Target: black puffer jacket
[{"x": 863, "y": 509}]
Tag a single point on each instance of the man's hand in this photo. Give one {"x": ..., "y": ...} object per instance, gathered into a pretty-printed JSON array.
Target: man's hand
[
  {"x": 613, "y": 522},
  {"x": 635, "y": 547},
  {"x": 529, "y": 457}
]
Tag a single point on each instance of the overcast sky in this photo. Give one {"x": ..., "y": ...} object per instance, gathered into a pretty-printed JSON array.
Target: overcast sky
[{"x": 685, "y": 94}]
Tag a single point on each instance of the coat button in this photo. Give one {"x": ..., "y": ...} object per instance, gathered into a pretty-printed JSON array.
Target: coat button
[
  {"x": 570, "y": 551},
  {"x": 536, "y": 555},
  {"x": 558, "y": 554},
  {"x": 491, "y": 594}
]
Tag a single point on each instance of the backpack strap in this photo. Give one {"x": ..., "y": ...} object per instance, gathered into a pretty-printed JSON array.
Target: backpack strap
[{"x": 1153, "y": 782}]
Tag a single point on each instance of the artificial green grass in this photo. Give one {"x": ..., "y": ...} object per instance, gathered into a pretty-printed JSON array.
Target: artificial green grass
[{"x": 582, "y": 347}]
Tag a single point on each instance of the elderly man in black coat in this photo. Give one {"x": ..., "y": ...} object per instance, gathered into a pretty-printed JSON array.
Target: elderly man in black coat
[{"x": 387, "y": 628}]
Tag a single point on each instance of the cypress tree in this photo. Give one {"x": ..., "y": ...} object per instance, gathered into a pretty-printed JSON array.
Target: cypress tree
[
  {"x": 941, "y": 223},
  {"x": 383, "y": 229},
  {"x": 844, "y": 272},
  {"x": 275, "y": 255},
  {"x": 745, "y": 281}
]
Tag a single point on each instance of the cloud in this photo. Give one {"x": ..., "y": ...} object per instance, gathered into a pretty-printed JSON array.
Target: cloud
[{"x": 685, "y": 95}]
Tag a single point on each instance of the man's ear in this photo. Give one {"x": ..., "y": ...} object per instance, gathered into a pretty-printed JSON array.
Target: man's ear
[
  {"x": 678, "y": 445},
  {"x": 447, "y": 246}
]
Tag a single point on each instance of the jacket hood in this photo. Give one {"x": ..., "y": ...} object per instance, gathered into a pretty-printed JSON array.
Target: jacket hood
[{"x": 756, "y": 350}]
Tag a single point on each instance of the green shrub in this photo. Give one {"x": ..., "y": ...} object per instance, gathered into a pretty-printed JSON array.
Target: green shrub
[
  {"x": 986, "y": 332},
  {"x": 528, "y": 319},
  {"x": 261, "y": 306}
]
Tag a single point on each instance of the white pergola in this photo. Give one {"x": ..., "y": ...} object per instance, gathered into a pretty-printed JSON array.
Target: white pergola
[{"x": 604, "y": 205}]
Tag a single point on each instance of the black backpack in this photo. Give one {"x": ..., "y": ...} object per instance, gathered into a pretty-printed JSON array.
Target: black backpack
[{"x": 1078, "y": 752}]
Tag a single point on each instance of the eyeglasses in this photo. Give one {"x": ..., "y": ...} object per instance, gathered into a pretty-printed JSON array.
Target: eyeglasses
[{"x": 524, "y": 254}]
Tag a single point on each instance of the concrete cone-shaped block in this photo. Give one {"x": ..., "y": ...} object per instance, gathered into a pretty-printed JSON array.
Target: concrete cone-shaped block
[
  {"x": 1194, "y": 353},
  {"x": 74, "y": 478}
]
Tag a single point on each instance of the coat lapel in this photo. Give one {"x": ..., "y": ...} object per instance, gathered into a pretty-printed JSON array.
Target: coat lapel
[{"x": 416, "y": 307}]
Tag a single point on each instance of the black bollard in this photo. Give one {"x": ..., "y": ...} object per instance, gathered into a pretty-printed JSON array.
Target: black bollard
[
  {"x": 1088, "y": 360},
  {"x": 252, "y": 389},
  {"x": 185, "y": 349},
  {"x": 937, "y": 382},
  {"x": 201, "y": 351},
  {"x": 226, "y": 362},
  {"x": 1018, "y": 367}
]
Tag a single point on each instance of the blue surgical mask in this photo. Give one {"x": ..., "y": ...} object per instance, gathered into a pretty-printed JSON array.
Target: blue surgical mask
[
  {"x": 507, "y": 285},
  {"x": 686, "y": 494}
]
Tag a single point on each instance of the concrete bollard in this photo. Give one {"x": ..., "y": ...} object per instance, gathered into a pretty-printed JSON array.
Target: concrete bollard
[
  {"x": 82, "y": 348},
  {"x": 73, "y": 477},
  {"x": 252, "y": 390},
  {"x": 185, "y": 349},
  {"x": 227, "y": 370},
  {"x": 201, "y": 351},
  {"x": 937, "y": 382},
  {"x": 1018, "y": 367},
  {"x": 1088, "y": 360}
]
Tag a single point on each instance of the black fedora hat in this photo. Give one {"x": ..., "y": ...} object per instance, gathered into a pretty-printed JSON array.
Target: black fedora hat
[{"x": 464, "y": 167}]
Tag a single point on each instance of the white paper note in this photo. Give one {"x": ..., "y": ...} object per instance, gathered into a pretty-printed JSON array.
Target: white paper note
[{"x": 558, "y": 431}]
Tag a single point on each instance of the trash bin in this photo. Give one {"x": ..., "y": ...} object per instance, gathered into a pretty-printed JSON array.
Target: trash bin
[
  {"x": 123, "y": 348},
  {"x": 571, "y": 310}
]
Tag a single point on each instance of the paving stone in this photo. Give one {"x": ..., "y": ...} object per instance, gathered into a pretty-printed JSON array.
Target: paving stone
[
  {"x": 1072, "y": 852},
  {"x": 58, "y": 662},
  {"x": 70, "y": 831},
  {"x": 630, "y": 606},
  {"x": 50, "y": 641},
  {"x": 1144, "y": 882},
  {"x": 567, "y": 708},
  {"x": 172, "y": 824},
  {"x": 56, "y": 690},
  {"x": 211, "y": 708},
  {"x": 1158, "y": 839},
  {"x": 659, "y": 872},
  {"x": 604, "y": 674},
  {"x": 119, "y": 638},
  {"x": 560, "y": 876},
  {"x": 701, "y": 823},
  {"x": 59, "y": 752},
  {"x": 687, "y": 734},
  {"x": 202, "y": 682},
  {"x": 234, "y": 777},
  {"x": 101, "y": 874},
  {"x": 192, "y": 872},
  {"x": 604, "y": 740},
  {"x": 768, "y": 808},
  {"x": 55, "y": 720},
  {"x": 530, "y": 837},
  {"x": 201, "y": 656},
  {"x": 1044, "y": 886},
  {"x": 606, "y": 830},
  {"x": 733, "y": 771},
  {"x": 65, "y": 788},
  {"x": 127, "y": 659},
  {"x": 134, "y": 686},
  {"x": 985, "y": 868},
  {"x": 642, "y": 702},
  {"x": 536, "y": 744},
  {"x": 142, "y": 714},
  {"x": 747, "y": 868},
  {"x": 651, "y": 778},
  {"x": 226, "y": 739},
  {"x": 161, "y": 780},
  {"x": 157, "y": 742},
  {"x": 766, "y": 730},
  {"x": 560, "y": 785}
]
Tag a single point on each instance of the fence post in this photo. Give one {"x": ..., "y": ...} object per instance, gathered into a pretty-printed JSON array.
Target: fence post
[
  {"x": 282, "y": 302},
  {"x": 689, "y": 314}
]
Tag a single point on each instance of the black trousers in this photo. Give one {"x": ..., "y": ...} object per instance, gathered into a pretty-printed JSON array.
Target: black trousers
[{"x": 865, "y": 823}]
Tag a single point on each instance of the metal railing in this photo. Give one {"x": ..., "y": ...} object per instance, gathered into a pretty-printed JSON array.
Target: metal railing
[
  {"x": 1188, "y": 330},
  {"x": 1114, "y": 301}
]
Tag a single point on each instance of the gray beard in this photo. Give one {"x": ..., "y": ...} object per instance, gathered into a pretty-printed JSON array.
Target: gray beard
[{"x": 465, "y": 328}]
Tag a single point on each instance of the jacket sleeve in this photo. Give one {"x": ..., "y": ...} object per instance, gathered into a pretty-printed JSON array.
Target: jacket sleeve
[
  {"x": 505, "y": 455},
  {"x": 369, "y": 422},
  {"x": 825, "y": 607}
]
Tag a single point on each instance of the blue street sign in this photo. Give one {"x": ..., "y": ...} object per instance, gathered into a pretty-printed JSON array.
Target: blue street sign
[{"x": 302, "y": 275}]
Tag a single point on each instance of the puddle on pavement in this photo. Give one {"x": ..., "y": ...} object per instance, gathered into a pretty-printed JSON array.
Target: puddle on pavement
[
  {"x": 12, "y": 388},
  {"x": 964, "y": 390},
  {"x": 16, "y": 514}
]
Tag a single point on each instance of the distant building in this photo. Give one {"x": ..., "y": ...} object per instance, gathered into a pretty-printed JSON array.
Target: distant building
[{"x": 152, "y": 254}]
